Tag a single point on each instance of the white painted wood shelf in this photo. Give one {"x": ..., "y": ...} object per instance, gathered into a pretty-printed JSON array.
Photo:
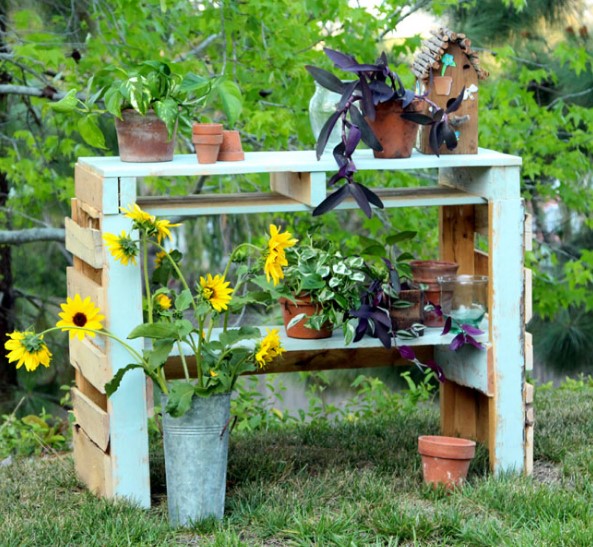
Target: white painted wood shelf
[{"x": 484, "y": 397}]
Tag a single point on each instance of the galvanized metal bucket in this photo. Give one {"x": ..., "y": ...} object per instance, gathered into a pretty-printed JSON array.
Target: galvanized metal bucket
[{"x": 196, "y": 450}]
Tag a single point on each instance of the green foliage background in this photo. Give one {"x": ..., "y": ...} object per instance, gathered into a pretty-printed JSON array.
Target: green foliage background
[{"x": 536, "y": 104}]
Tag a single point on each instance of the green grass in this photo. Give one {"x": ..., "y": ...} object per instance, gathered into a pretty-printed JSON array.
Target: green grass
[{"x": 342, "y": 484}]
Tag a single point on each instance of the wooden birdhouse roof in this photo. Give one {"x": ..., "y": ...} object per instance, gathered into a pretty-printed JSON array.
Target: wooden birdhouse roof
[{"x": 433, "y": 49}]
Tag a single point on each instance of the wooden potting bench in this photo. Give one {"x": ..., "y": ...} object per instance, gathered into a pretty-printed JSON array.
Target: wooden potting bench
[{"x": 485, "y": 396}]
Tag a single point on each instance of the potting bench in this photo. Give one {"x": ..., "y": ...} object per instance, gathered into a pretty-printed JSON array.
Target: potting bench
[{"x": 485, "y": 396}]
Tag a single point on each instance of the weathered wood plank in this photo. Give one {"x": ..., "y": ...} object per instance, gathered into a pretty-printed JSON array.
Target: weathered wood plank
[
  {"x": 529, "y": 427},
  {"x": 91, "y": 361},
  {"x": 307, "y": 188},
  {"x": 78, "y": 283},
  {"x": 468, "y": 366},
  {"x": 528, "y": 294},
  {"x": 100, "y": 193},
  {"x": 528, "y": 241},
  {"x": 481, "y": 263},
  {"x": 93, "y": 419},
  {"x": 457, "y": 228},
  {"x": 92, "y": 465},
  {"x": 84, "y": 243}
]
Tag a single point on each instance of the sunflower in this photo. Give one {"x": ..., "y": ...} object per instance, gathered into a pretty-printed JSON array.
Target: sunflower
[
  {"x": 82, "y": 314},
  {"x": 163, "y": 301},
  {"x": 273, "y": 266},
  {"x": 279, "y": 242},
  {"x": 269, "y": 348},
  {"x": 160, "y": 258},
  {"x": 29, "y": 349},
  {"x": 216, "y": 291},
  {"x": 123, "y": 248},
  {"x": 276, "y": 258},
  {"x": 162, "y": 228},
  {"x": 140, "y": 217}
]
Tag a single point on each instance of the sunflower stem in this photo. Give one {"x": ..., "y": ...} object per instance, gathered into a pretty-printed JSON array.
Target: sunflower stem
[
  {"x": 146, "y": 281},
  {"x": 183, "y": 361}
]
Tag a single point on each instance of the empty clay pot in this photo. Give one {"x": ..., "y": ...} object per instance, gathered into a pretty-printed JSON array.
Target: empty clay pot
[
  {"x": 206, "y": 129},
  {"x": 445, "y": 460},
  {"x": 207, "y": 147},
  {"x": 231, "y": 149},
  {"x": 302, "y": 305}
]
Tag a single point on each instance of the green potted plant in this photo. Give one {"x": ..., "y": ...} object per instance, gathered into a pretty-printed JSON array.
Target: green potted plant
[
  {"x": 374, "y": 101},
  {"x": 319, "y": 288},
  {"x": 148, "y": 101}
]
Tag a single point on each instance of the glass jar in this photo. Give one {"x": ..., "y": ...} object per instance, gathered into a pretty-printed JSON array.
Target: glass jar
[{"x": 321, "y": 106}]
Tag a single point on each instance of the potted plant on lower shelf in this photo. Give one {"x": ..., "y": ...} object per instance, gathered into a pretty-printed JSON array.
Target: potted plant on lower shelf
[
  {"x": 180, "y": 320},
  {"x": 377, "y": 109},
  {"x": 319, "y": 288}
]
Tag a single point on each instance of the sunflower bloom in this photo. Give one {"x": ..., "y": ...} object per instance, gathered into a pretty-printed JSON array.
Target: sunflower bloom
[
  {"x": 82, "y": 314},
  {"x": 138, "y": 215},
  {"x": 273, "y": 266},
  {"x": 27, "y": 348},
  {"x": 276, "y": 257},
  {"x": 269, "y": 348},
  {"x": 162, "y": 228},
  {"x": 122, "y": 247},
  {"x": 163, "y": 301},
  {"x": 160, "y": 258},
  {"x": 279, "y": 242},
  {"x": 216, "y": 291}
]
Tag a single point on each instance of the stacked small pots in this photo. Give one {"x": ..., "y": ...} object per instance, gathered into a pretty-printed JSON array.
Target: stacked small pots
[{"x": 207, "y": 138}]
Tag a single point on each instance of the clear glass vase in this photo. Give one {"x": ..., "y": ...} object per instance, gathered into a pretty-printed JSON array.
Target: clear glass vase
[{"x": 321, "y": 106}]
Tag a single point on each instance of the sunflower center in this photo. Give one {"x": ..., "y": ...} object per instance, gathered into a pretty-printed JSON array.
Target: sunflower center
[{"x": 79, "y": 319}]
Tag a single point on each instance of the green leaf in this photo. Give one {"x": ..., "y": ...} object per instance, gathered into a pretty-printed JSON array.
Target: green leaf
[
  {"x": 68, "y": 103},
  {"x": 161, "y": 349},
  {"x": 90, "y": 131},
  {"x": 168, "y": 111},
  {"x": 180, "y": 397},
  {"x": 183, "y": 327},
  {"x": 400, "y": 236},
  {"x": 113, "y": 101},
  {"x": 183, "y": 300},
  {"x": 158, "y": 330},
  {"x": 231, "y": 99},
  {"x": 113, "y": 384}
]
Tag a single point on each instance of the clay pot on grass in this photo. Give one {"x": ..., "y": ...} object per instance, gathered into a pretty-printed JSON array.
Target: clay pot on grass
[{"x": 445, "y": 460}]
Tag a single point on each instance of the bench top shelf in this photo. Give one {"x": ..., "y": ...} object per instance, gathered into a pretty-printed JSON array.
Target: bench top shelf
[{"x": 298, "y": 161}]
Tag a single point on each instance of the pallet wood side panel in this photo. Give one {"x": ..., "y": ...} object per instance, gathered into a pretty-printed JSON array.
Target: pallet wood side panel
[
  {"x": 92, "y": 465},
  {"x": 92, "y": 418},
  {"x": 481, "y": 262},
  {"x": 96, "y": 191},
  {"x": 307, "y": 188},
  {"x": 528, "y": 394}
]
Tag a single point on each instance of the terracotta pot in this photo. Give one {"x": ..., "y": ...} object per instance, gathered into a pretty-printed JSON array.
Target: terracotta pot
[
  {"x": 442, "y": 85},
  {"x": 207, "y": 147},
  {"x": 231, "y": 149},
  {"x": 404, "y": 318},
  {"x": 427, "y": 272},
  {"x": 445, "y": 460},
  {"x": 302, "y": 305},
  {"x": 396, "y": 135},
  {"x": 206, "y": 129},
  {"x": 143, "y": 138}
]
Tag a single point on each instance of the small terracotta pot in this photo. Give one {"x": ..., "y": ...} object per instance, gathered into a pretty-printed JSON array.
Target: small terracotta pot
[
  {"x": 396, "y": 135},
  {"x": 207, "y": 147},
  {"x": 442, "y": 85},
  {"x": 206, "y": 129},
  {"x": 427, "y": 272},
  {"x": 231, "y": 149},
  {"x": 445, "y": 460},
  {"x": 302, "y": 305},
  {"x": 143, "y": 138}
]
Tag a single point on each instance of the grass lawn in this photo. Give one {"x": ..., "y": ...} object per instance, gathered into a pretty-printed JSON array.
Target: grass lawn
[{"x": 344, "y": 484}]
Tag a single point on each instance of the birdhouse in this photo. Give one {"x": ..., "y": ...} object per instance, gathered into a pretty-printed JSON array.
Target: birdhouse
[{"x": 443, "y": 67}]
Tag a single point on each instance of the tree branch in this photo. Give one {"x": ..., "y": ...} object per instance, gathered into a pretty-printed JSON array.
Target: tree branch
[
  {"x": 47, "y": 92},
  {"x": 15, "y": 237}
]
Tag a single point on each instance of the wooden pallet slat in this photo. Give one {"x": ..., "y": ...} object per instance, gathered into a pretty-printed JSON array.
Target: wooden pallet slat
[
  {"x": 92, "y": 418},
  {"x": 84, "y": 243},
  {"x": 93, "y": 466},
  {"x": 307, "y": 188},
  {"x": 91, "y": 361},
  {"x": 78, "y": 283}
]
